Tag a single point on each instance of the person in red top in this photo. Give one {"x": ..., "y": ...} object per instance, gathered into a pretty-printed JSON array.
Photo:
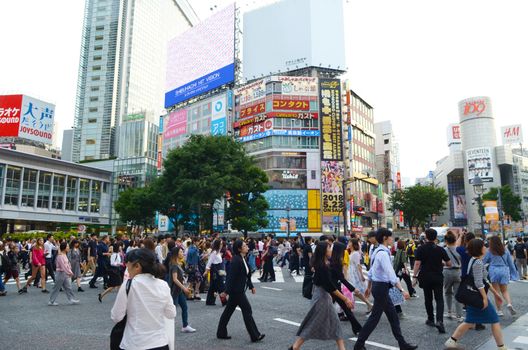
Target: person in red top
[{"x": 38, "y": 263}]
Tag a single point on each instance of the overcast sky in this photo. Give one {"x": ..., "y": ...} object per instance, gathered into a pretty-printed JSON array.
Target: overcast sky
[{"x": 412, "y": 60}]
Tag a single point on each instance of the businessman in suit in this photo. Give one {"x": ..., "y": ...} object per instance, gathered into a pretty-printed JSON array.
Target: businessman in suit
[{"x": 238, "y": 280}]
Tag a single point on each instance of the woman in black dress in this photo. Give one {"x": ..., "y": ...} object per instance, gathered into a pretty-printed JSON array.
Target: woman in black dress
[
  {"x": 338, "y": 277},
  {"x": 322, "y": 322}
]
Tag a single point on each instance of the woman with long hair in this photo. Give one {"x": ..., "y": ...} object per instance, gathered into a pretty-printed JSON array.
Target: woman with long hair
[
  {"x": 74, "y": 255},
  {"x": 179, "y": 291},
  {"x": 338, "y": 278},
  {"x": 38, "y": 264},
  {"x": 355, "y": 272},
  {"x": 501, "y": 271},
  {"x": 322, "y": 322},
  {"x": 400, "y": 266},
  {"x": 146, "y": 305},
  {"x": 216, "y": 268},
  {"x": 476, "y": 249},
  {"x": 114, "y": 273}
]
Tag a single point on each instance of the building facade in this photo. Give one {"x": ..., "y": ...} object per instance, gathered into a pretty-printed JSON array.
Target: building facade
[
  {"x": 39, "y": 193},
  {"x": 122, "y": 68}
]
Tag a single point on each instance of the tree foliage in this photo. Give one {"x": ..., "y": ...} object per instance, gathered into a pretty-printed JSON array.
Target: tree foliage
[
  {"x": 419, "y": 203},
  {"x": 137, "y": 205},
  {"x": 511, "y": 203}
]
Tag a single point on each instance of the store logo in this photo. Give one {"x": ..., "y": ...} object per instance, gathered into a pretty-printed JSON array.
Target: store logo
[
  {"x": 288, "y": 175},
  {"x": 475, "y": 107},
  {"x": 218, "y": 106}
]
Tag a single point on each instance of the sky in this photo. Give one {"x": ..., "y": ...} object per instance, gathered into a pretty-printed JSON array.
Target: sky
[{"x": 412, "y": 60}]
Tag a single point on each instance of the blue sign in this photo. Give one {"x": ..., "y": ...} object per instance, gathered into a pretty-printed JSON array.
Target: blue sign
[
  {"x": 218, "y": 127},
  {"x": 230, "y": 99},
  {"x": 201, "y": 85},
  {"x": 161, "y": 124},
  {"x": 267, "y": 133}
]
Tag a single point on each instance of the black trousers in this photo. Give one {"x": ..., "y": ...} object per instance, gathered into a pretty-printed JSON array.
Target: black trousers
[
  {"x": 100, "y": 271},
  {"x": 382, "y": 304},
  {"x": 408, "y": 282},
  {"x": 241, "y": 301},
  {"x": 269, "y": 272},
  {"x": 434, "y": 287},
  {"x": 50, "y": 270},
  {"x": 356, "y": 326},
  {"x": 215, "y": 285}
]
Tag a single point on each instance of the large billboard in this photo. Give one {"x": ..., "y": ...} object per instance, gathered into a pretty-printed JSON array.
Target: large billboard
[
  {"x": 475, "y": 107},
  {"x": 294, "y": 34},
  {"x": 512, "y": 134},
  {"x": 479, "y": 163},
  {"x": 330, "y": 111},
  {"x": 26, "y": 117},
  {"x": 202, "y": 58},
  {"x": 332, "y": 174},
  {"x": 459, "y": 207},
  {"x": 176, "y": 124}
]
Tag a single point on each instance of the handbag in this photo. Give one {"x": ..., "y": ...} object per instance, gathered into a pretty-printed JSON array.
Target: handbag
[
  {"x": 467, "y": 293},
  {"x": 116, "y": 336}
]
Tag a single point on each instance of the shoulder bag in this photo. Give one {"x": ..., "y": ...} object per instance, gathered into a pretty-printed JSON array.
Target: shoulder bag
[
  {"x": 116, "y": 336},
  {"x": 468, "y": 293}
]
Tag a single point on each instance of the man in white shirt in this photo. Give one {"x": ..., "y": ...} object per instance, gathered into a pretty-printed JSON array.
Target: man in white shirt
[
  {"x": 159, "y": 249},
  {"x": 49, "y": 247}
]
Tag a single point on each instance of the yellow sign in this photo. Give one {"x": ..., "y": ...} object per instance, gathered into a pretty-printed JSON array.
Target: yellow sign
[{"x": 491, "y": 211}]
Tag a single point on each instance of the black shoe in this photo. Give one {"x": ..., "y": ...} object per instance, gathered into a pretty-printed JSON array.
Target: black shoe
[
  {"x": 360, "y": 347},
  {"x": 61, "y": 290},
  {"x": 259, "y": 338},
  {"x": 356, "y": 331},
  {"x": 226, "y": 337},
  {"x": 45, "y": 291},
  {"x": 480, "y": 327},
  {"x": 271, "y": 280},
  {"x": 93, "y": 286},
  {"x": 408, "y": 347},
  {"x": 80, "y": 289},
  {"x": 430, "y": 323},
  {"x": 210, "y": 304},
  {"x": 440, "y": 327},
  {"x": 100, "y": 297},
  {"x": 3, "y": 293}
]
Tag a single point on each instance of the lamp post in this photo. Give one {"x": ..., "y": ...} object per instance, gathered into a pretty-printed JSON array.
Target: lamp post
[
  {"x": 288, "y": 208},
  {"x": 478, "y": 188}
]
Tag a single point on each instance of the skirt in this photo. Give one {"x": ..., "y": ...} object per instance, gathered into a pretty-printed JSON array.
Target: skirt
[
  {"x": 499, "y": 274},
  {"x": 321, "y": 322},
  {"x": 114, "y": 277},
  {"x": 486, "y": 316}
]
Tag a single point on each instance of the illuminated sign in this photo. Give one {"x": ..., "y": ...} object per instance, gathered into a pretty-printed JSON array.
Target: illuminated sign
[
  {"x": 296, "y": 105},
  {"x": 330, "y": 110},
  {"x": 252, "y": 110}
]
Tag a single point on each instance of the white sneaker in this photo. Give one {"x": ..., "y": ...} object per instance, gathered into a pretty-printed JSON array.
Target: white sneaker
[
  {"x": 459, "y": 319},
  {"x": 450, "y": 344},
  {"x": 188, "y": 329},
  {"x": 512, "y": 310},
  {"x": 450, "y": 315},
  {"x": 74, "y": 301},
  {"x": 500, "y": 313},
  {"x": 52, "y": 304}
]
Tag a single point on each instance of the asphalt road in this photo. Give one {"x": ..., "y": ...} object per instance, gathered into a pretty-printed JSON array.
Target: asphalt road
[{"x": 27, "y": 322}]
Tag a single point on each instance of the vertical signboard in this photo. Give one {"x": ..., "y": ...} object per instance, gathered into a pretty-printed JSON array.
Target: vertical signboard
[
  {"x": 479, "y": 163},
  {"x": 459, "y": 207},
  {"x": 330, "y": 116},
  {"x": 453, "y": 134},
  {"x": 332, "y": 173},
  {"x": 491, "y": 211},
  {"x": 219, "y": 117}
]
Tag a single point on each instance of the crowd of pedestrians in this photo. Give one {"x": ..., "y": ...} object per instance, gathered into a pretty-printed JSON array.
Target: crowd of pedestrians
[{"x": 175, "y": 271}]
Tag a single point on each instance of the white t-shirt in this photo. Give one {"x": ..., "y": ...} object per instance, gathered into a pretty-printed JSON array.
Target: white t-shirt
[{"x": 260, "y": 246}]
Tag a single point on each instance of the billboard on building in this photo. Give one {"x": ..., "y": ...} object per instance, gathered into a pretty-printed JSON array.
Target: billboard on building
[
  {"x": 479, "y": 163},
  {"x": 176, "y": 124},
  {"x": 332, "y": 173},
  {"x": 202, "y": 58},
  {"x": 330, "y": 115},
  {"x": 284, "y": 205},
  {"x": 304, "y": 33},
  {"x": 26, "y": 117},
  {"x": 475, "y": 107},
  {"x": 453, "y": 134},
  {"x": 219, "y": 116},
  {"x": 491, "y": 211},
  {"x": 512, "y": 134},
  {"x": 459, "y": 207}
]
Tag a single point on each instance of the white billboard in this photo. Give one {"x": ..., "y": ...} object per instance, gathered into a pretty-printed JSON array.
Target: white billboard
[
  {"x": 293, "y": 34},
  {"x": 480, "y": 163},
  {"x": 36, "y": 122},
  {"x": 202, "y": 58},
  {"x": 512, "y": 134},
  {"x": 453, "y": 134}
]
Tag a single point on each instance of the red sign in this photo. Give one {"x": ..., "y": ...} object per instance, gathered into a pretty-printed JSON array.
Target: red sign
[
  {"x": 248, "y": 130},
  {"x": 252, "y": 110},
  {"x": 398, "y": 180},
  {"x": 455, "y": 129},
  {"x": 10, "y": 114},
  {"x": 160, "y": 160},
  {"x": 296, "y": 105},
  {"x": 475, "y": 107},
  {"x": 380, "y": 206},
  {"x": 401, "y": 217},
  {"x": 294, "y": 115},
  {"x": 252, "y": 120}
]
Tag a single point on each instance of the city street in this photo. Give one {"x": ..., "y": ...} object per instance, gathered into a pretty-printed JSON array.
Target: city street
[{"x": 278, "y": 308}]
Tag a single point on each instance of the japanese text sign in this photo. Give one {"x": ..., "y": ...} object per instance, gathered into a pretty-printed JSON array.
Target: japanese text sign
[{"x": 330, "y": 111}]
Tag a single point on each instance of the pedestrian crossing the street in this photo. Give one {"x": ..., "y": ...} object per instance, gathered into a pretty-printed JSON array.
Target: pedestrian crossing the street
[{"x": 283, "y": 275}]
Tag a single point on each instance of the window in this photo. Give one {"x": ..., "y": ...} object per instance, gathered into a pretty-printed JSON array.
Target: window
[
  {"x": 96, "y": 197},
  {"x": 29, "y": 187},
  {"x": 94, "y": 88},
  {"x": 92, "y": 109},
  {"x": 99, "y": 28},
  {"x": 98, "y": 37},
  {"x": 58, "y": 192},
  {"x": 12, "y": 185},
  {"x": 90, "y": 142},
  {"x": 84, "y": 193},
  {"x": 44, "y": 192},
  {"x": 96, "y": 68},
  {"x": 94, "y": 99},
  {"x": 97, "y": 58},
  {"x": 314, "y": 175},
  {"x": 386, "y": 141},
  {"x": 92, "y": 120},
  {"x": 71, "y": 193},
  {"x": 98, "y": 47},
  {"x": 95, "y": 78}
]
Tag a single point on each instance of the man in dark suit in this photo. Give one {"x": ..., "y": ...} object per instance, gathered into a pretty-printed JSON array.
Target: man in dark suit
[{"x": 238, "y": 280}]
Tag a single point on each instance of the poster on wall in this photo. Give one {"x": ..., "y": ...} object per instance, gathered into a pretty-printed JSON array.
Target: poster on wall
[
  {"x": 479, "y": 163},
  {"x": 330, "y": 115},
  {"x": 459, "y": 206},
  {"x": 331, "y": 183}
]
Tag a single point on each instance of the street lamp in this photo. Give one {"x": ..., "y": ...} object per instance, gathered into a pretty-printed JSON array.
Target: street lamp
[
  {"x": 288, "y": 208},
  {"x": 478, "y": 188}
]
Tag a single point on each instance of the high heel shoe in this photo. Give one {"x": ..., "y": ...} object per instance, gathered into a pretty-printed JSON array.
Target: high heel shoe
[{"x": 100, "y": 297}]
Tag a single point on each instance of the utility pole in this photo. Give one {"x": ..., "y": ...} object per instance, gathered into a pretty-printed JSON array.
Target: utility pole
[{"x": 501, "y": 213}]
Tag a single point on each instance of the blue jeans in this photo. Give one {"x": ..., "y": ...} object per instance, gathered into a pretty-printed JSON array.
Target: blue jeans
[
  {"x": 252, "y": 262},
  {"x": 2, "y": 287},
  {"x": 181, "y": 300}
]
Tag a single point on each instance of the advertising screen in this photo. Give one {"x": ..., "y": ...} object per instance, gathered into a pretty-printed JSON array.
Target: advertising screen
[
  {"x": 479, "y": 163},
  {"x": 26, "y": 117},
  {"x": 459, "y": 206},
  {"x": 202, "y": 58},
  {"x": 176, "y": 125},
  {"x": 332, "y": 173}
]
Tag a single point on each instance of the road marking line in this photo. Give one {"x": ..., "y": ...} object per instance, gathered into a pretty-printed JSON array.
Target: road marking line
[
  {"x": 271, "y": 288},
  {"x": 287, "y": 322},
  {"x": 521, "y": 340},
  {"x": 298, "y": 279},
  {"x": 383, "y": 346},
  {"x": 360, "y": 302}
]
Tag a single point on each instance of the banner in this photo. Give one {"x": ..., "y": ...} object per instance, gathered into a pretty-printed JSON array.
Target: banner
[
  {"x": 252, "y": 110},
  {"x": 176, "y": 125},
  {"x": 491, "y": 211},
  {"x": 330, "y": 111},
  {"x": 256, "y": 128},
  {"x": 459, "y": 207},
  {"x": 332, "y": 173},
  {"x": 219, "y": 116},
  {"x": 291, "y": 105},
  {"x": 479, "y": 163}
]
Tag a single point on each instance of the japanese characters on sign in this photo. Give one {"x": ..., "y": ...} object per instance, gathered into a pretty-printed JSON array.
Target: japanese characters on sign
[
  {"x": 294, "y": 115},
  {"x": 453, "y": 134},
  {"x": 10, "y": 112},
  {"x": 299, "y": 86},
  {"x": 176, "y": 125},
  {"x": 330, "y": 111},
  {"x": 252, "y": 110},
  {"x": 251, "y": 92},
  {"x": 296, "y": 105},
  {"x": 332, "y": 173},
  {"x": 256, "y": 128},
  {"x": 219, "y": 117}
]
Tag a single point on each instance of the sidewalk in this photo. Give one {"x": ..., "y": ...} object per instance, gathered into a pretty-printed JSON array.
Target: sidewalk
[{"x": 515, "y": 336}]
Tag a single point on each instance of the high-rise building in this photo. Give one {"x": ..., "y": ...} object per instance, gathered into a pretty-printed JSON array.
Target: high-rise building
[{"x": 122, "y": 68}]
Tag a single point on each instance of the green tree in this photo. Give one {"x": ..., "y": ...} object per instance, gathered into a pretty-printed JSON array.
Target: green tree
[
  {"x": 419, "y": 203},
  {"x": 203, "y": 170},
  {"x": 137, "y": 205},
  {"x": 511, "y": 203}
]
